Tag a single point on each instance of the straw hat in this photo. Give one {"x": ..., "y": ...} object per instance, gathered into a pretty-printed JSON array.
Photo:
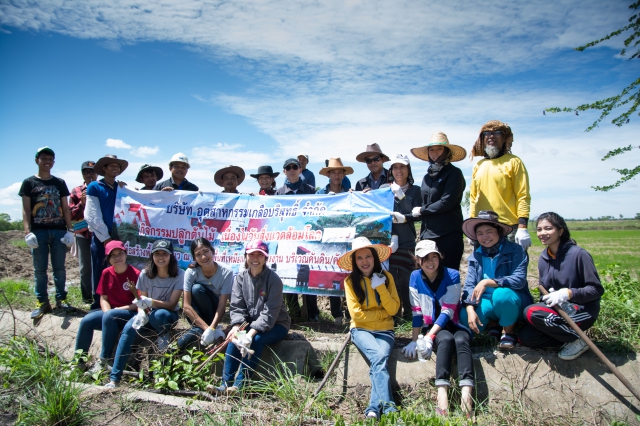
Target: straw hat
[
  {"x": 485, "y": 216},
  {"x": 217, "y": 178},
  {"x": 439, "y": 139},
  {"x": 371, "y": 151},
  {"x": 359, "y": 243},
  {"x": 110, "y": 159},
  {"x": 333, "y": 164}
]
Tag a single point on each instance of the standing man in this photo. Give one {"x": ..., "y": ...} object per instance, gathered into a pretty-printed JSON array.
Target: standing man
[
  {"x": 101, "y": 203},
  {"x": 336, "y": 172},
  {"x": 48, "y": 231},
  {"x": 374, "y": 158},
  {"x": 500, "y": 181},
  {"x": 149, "y": 176},
  {"x": 179, "y": 165},
  {"x": 77, "y": 202},
  {"x": 229, "y": 178},
  {"x": 306, "y": 175}
]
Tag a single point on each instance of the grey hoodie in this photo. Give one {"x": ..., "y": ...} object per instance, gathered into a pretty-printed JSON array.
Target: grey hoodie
[{"x": 258, "y": 301}]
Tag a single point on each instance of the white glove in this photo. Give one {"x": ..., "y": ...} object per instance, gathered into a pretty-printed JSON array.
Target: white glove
[
  {"x": 397, "y": 191},
  {"x": 218, "y": 333},
  {"x": 331, "y": 193},
  {"x": 140, "y": 320},
  {"x": 556, "y": 297},
  {"x": 208, "y": 337},
  {"x": 67, "y": 240},
  {"x": 523, "y": 238},
  {"x": 428, "y": 340},
  {"x": 398, "y": 217},
  {"x": 409, "y": 351},
  {"x": 394, "y": 243},
  {"x": 243, "y": 342},
  {"x": 31, "y": 240},
  {"x": 377, "y": 279},
  {"x": 143, "y": 302},
  {"x": 416, "y": 212}
]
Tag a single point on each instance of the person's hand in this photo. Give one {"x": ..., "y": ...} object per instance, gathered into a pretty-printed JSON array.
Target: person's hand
[
  {"x": 168, "y": 188},
  {"x": 394, "y": 243},
  {"x": 232, "y": 332},
  {"x": 243, "y": 343},
  {"x": 416, "y": 212},
  {"x": 208, "y": 337},
  {"x": 83, "y": 198},
  {"x": 331, "y": 193},
  {"x": 397, "y": 191},
  {"x": 428, "y": 350},
  {"x": 409, "y": 351},
  {"x": 364, "y": 191},
  {"x": 398, "y": 217},
  {"x": 474, "y": 320},
  {"x": 122, "y": 184},
  {"x": 31, "y": 240},
  {"x": 478, "y": 291},
  {"x": 218, "y": 333},
  {"x": 67, "y": 240},
  {"x": 523, "y": 238},
  {"x": 377, "y": 280},
  {"x": 140, "y": 320},
  {"x": 556, "y": 297},
  {"x": 143, "y": 302}
]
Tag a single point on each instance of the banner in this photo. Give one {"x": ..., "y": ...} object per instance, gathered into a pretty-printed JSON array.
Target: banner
[{"x": 306, "y": 234}]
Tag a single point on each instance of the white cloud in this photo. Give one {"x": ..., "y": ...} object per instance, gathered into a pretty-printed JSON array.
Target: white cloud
[
  {"x": 144, "y": 151},
  {"x": 117, "y": 143},
  {"x": 10, "y": 201}
]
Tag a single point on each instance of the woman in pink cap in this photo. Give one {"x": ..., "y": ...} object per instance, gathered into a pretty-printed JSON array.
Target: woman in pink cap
[
  {"x": 116, "y": 305},
  {"x": 256, "y": 298}
]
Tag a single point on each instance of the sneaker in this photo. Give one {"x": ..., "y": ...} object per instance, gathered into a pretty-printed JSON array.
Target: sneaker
[
  {"x": 98, "y": 367},
  {"x": 162, "y": 342},
  {"x": 112, "y": 385},
  {"x": 573, "y": 350},
  {"x": 41, "y": 309},
  {"x": 223, "y": 389},
  {"x": 507, "y": 341},
  {"x": 62, "y": 304},
  {"x": 338, "y": 320},
  {"x": 371, "y": 415},
  {"x": 495, "y": 333}
]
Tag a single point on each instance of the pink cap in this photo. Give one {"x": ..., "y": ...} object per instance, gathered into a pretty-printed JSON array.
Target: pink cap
[
  {"x": 113, "y": 245},
  {"x": 257, "y": 245}
]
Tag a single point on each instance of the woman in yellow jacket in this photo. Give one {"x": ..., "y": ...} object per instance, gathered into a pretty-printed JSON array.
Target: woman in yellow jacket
[{"x": 372, "y": 300}]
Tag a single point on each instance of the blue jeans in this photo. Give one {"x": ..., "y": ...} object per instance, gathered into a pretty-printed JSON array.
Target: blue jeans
[
  {"x": 49, "y": 244},
  {"x": 160, "y": 320},
  {"x": 503, "y": 305},
  {"x": 205, "y": 303},
  {"x": 110, "y": 322},
  {"x": 376, "y": 347},
  {"x": 233, "y": 356}
]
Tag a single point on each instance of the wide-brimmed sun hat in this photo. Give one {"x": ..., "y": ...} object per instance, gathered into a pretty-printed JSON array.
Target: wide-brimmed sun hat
[
  {"x": 485, "y": 216},
  {"x": 335, "y": 164},
  {"x": 217, "y": 178},
  {"x": 371, "y": 151},
  {"x": 426, "y": 247},
  {"x": 265, "y": 170},
  {"x": 149, "y": 168},
  {"x": 110, "y": 159},
  {"x": 439, "y": 139},
  {"x": 383, "y": 251}
]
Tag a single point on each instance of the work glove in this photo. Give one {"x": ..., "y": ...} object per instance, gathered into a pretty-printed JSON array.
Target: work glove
[
  {"x": 556, "y": 297},
  {"x": 143, "y": 302},
  {"x": 428, "y": 340},
  {"x": 31, "y": 240},
  {"x": 377, "y": 279},
  {"x": 409, "y": 351},
  {"x": 140, "y": 320},
  {"x": 243, "y": 342},
  {"x": 331, "y": 193},
  {"x": 394, "y": 243},
  {"x": 416, "y": 212},
  {"x": 67, "y": 240},
  {"x": 398, "y": 217},
  {"x": 397, "y": 191},
  {"x": 523, "y": 238},
  {"x": 210, "y": 335}
]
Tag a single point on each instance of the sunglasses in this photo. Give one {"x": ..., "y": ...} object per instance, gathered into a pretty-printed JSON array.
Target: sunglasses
[
  {"x": 88, "y": 172},
  {"x": 373, "y": 159},
  {"x": 496, "y": 133},
  {"x": 292, "y": 166}
]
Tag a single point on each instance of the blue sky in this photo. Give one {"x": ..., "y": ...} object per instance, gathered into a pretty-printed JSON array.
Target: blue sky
[{"x": 251, "y": 83}]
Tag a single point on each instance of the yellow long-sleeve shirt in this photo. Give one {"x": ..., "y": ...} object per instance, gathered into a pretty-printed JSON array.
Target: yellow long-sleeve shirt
[
  {"x": 502, "y": 185},
  {"x": 370, "y": 314}
]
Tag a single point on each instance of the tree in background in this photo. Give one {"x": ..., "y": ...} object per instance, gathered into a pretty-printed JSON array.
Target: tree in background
[
  {"x": 630, "y": 96},
  {"x": 7, "y": 225}
]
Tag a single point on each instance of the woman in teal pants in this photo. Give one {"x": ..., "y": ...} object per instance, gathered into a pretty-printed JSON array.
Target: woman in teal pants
[{"x": 495, "y": 290}]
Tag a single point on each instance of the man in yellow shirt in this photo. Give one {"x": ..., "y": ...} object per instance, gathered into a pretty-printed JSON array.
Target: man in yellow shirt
[{"x": 500, "y": 181}]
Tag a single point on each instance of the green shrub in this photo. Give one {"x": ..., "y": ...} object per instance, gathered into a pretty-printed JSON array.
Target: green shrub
[{"x": 176, "y": 370}]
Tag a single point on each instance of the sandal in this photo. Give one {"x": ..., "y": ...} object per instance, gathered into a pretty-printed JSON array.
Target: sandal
[
  {"x": 507, "y": 341},
  {"x": 441, "y": 412}
]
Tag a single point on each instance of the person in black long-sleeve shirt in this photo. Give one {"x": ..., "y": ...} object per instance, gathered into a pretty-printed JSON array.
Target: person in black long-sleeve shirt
[{"x": 569, "y": 274}]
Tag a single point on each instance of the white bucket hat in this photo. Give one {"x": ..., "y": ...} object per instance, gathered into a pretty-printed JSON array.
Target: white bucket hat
[{"x": 426, "y": 247}]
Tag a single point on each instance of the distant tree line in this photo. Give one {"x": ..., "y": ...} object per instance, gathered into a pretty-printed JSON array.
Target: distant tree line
[{"x": 7, "y": 225}]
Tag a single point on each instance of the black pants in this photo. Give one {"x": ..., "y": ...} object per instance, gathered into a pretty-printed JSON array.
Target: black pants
[
  {"x": 291, "y": 300},
  {"x": 545, "y": 328},
  {"x": 402, "y": 277},
  {"x": 451, "y": 246},
  {"x": 448, "y": 341},
  {"x": 205, "y": 303}
]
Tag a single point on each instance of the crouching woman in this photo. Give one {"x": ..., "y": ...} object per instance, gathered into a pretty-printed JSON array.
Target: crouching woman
[
  {"x": 435, "y": 299},
  {"x": 372, "y": 300},
  {"x": 256, "y": 298},
  {"x": 568, "y": 273}
]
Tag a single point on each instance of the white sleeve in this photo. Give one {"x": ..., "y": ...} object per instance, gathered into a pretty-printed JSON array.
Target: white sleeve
[{"x": 93, "y": 216}]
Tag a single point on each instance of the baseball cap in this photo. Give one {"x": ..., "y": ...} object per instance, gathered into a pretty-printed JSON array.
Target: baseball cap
[
  {"x": 164, "y": 245},
  {"x": 113, "y": 244},
  {"x": 425, "y": 247},
  {"x": 257, "y": 245},
  {"x": 88, "y": 165},
  {"x": 291, "y": 161},
  {"x": 45, "y": 150}
]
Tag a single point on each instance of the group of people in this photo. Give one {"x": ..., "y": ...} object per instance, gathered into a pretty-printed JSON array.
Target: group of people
[{"x": 415, "y": 276}]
